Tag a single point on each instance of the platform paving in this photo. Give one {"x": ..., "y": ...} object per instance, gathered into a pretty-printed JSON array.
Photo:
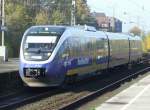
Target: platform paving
[
  {"x": 10, "y": 66},
  {"x": 136, "y": 97}
]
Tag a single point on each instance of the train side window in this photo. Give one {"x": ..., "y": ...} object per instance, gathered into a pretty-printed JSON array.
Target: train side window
[
  {"x": 89, "y": 46},
  {"x": 86, "y": 47},
  {"x": 82, "y": 47},
  {"x": 64, "y": 51},
  {"x": 100, "y": 44},
  {"x": 74, "y": 46}
]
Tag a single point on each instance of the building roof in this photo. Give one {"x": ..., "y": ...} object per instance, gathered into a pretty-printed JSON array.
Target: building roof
[{"x": 97, "y": 14}]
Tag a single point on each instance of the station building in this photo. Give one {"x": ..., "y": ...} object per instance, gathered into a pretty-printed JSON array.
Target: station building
[{"x": 106, "y": 23}]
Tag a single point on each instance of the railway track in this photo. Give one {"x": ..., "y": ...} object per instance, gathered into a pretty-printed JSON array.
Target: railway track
[
  {"x": 92, "y": 95},
  {"x": 69, "y": 98},
  {"x": 24, "y": 96}
]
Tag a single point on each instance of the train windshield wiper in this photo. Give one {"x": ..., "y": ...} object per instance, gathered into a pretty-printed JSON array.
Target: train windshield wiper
[
  {"x": 34, "y": 50},
  {"x": 49, "y": 48},
  {"x": 38, "y": 50},
  {"x": 46, "y": 50}
]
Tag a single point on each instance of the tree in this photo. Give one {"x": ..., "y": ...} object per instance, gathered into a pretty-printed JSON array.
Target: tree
[
  {"x": 57, "y": 17},
  {"x": 135, "y": 30},
  {"x": 17, "y": 21},
  {"x": 82, "y": 12},
  {"x": 21, "y": 14},
  {"x": 146, "y": 42},
  {"x": 41, "y": 18}
]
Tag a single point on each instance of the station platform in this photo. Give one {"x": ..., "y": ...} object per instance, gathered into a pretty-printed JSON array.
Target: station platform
[
  {"x": 11, "y": 65},
  {"x": 136, "y": 97}
]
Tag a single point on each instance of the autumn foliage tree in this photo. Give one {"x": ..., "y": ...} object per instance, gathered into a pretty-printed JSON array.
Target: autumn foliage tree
[
  {"x": 146, "y": 42},
  {"x": 17, "y": 21},
  {"x": 135, "y": 30},
  {"x": 41, "y": 18},
  {"x": 57, "y": 17},
  {"x": 21, "y": 14}
]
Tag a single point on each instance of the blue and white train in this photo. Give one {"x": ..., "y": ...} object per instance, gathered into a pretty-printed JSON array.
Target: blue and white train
[{"x": 49, "y": 55}]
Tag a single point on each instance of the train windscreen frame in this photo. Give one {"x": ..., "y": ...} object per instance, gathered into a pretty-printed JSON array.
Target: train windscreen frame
[{"x": 39, "y": 42}]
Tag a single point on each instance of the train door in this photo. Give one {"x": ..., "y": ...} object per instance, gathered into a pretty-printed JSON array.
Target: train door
[{"x": 101, "y": 53}]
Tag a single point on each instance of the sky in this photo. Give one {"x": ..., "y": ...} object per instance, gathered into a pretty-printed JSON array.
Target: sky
[{"x": 130, "y": 12}]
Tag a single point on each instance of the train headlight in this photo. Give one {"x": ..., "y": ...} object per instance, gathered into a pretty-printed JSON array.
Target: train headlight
[
  {"x": 25, "y": 53},
  {"x": 48, "y": 54}
]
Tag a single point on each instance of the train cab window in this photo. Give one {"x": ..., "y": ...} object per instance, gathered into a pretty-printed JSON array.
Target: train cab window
[{"x": 39, "y": 42}]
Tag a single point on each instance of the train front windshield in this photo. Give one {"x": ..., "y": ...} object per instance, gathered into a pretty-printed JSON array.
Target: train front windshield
[{"x": 40, "y": 42}]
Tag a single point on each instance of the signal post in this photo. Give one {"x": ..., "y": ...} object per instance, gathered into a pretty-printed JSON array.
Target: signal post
[{"x": 3, "y": 49}]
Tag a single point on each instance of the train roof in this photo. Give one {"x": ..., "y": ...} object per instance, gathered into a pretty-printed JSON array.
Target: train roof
[
  {"x": 49, "y": 26},
  {"x": 92, "y": 31},
  {"x": 117, "y": 35},
  {"x": 78, "y": 27}
]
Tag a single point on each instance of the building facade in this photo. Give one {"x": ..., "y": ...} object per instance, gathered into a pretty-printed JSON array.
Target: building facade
[{"x": 106, "y": 23}]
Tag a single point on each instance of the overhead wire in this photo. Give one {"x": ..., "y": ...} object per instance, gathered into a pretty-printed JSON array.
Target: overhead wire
[{"x": 138, "y": 17}]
